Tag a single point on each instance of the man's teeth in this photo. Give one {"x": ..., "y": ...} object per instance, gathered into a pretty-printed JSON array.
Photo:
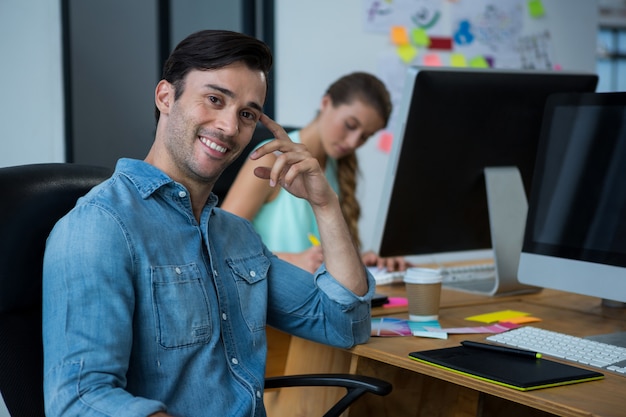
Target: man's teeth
[{"x": 213, "y": 145}]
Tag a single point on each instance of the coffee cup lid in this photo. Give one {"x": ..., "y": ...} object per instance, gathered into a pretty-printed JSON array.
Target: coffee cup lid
[{"x": 422, "y": 275}]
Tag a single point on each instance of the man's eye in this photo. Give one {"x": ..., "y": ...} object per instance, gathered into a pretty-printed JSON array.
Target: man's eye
[
  {"x": 214, "y": 100},
  {"x": 248, "y": 115}
]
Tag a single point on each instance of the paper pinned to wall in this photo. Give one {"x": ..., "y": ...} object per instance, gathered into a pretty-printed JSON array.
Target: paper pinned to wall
[{"x": 485, "y": 32}]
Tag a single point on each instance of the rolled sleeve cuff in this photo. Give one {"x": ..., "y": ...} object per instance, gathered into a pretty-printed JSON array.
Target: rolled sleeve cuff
[{"x": 340, "y": 294}]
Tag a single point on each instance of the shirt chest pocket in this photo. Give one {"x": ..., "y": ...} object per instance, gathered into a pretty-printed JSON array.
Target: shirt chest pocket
[
  {"x": 250, "y": 276},
  {"x": 181, "y": 306}
]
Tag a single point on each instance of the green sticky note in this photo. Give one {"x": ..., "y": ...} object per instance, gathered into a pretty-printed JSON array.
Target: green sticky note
[
  {"x": 535, "y": 8},
  {"x": 479, "y": 62},
  {"x": 420, "y": 37}
]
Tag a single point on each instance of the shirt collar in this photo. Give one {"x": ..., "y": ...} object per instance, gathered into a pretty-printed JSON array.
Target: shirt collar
[{"x": 146, "y": 177}]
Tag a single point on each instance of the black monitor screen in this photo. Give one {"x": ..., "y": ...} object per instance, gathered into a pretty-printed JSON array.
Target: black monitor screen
[
  {"x": 579, "y": 195},
  {"x": 452, "y": 124},
  {"x": 575, "y": 238}
]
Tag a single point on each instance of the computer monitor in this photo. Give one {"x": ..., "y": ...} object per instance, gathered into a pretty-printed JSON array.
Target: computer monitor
[
  {"x": 575, "y": 238},
  {"x": 452, "y": 124}
]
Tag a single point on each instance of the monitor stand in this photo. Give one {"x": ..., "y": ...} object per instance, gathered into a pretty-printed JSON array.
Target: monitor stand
[{"x": 506, "y": 201}]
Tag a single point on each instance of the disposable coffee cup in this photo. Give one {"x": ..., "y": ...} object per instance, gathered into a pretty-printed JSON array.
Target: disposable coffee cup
[{"x": 423, "y": 290}]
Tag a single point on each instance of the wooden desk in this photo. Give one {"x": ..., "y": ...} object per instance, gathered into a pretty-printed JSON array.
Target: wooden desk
[{"x": 424, "y": 390}]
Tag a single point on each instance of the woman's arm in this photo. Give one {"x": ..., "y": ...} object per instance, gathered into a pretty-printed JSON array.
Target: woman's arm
[{"x": 247, "y": 194}]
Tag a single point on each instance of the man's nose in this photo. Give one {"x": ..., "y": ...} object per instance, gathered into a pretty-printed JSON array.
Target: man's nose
[{"x": 228, "y": 122}]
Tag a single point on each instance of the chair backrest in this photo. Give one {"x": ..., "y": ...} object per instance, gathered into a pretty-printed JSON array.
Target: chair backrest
[
  {"x": 228, "y": 176},
  {"x": 34, "y": 197}
]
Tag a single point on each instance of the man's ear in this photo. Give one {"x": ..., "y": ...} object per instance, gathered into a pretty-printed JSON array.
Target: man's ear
[
  {"x": 164, "y": 96},
  {"x": 326, "y": 101}
]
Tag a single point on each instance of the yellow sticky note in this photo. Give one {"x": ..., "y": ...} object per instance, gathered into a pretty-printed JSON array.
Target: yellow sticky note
[
  {"x": 458, "y": 60},
  {"x": 406, "y": 52},
  {"x": 479, "y": 62},
  {"x": 399, "y": 36},
  {"x": 420, "y": 37},
  {"x": 432, "y": 60},
  {"x": 497, "y": 316},
  {"x": 535, "y": 8}
]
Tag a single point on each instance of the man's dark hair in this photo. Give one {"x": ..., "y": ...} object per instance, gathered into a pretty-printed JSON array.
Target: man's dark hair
[{"x": 214, "y": 49}]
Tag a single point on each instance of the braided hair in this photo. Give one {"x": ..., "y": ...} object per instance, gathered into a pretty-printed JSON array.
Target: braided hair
[{"x": 370, "y": 90}]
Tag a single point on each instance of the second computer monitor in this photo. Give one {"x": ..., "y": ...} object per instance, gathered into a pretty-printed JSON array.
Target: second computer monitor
[{"x": 452, "y": 125}]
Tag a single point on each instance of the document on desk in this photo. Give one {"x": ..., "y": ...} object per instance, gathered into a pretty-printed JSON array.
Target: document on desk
[
  {"x": 391, "y": 326},
  {"x": 506, "y": 369}
]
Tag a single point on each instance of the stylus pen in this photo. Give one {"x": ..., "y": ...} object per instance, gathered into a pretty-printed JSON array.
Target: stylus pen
[
  {"x": 503, "y": 349},
  {"x": 314, "y": 240}
]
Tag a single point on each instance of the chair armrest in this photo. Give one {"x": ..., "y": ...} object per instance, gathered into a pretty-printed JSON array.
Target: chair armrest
[{"x": 356, "y": 385}]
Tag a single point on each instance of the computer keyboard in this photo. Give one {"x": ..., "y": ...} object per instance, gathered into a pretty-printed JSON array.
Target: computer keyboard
[
  {"x": 478, "y": 277},
  {"x": 383, "y": 277},
  {"x": 468, "y": 276},
  {"x": 608, "y": 357},
  {"x": 469, "y": 272}
]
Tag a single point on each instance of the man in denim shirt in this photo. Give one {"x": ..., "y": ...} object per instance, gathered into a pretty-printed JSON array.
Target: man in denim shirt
[{"x": 156, "y": 301}]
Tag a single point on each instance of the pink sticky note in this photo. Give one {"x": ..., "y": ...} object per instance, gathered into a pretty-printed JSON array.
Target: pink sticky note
[
  {"x": 432, "y": 60},
  {"x": 396, "y": 302},
  {"x": 385, "y": 141},
  {"x": 522, "y": 320}
]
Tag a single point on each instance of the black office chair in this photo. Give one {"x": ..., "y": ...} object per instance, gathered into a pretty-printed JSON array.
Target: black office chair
[{"x": 34, "y": 197}]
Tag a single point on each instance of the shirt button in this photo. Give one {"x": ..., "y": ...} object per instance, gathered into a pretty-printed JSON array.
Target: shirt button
[
  {"x": 258, "y": 394},
  {"x": 178, "y": 271},
  {"x": 252, "y": 274},
  {"x": 224, "y": 316},
  {"x": 234, "y": 361},
  {"x": 182, "y": 194}
]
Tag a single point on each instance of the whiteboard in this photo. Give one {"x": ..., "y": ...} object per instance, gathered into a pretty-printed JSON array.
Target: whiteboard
[{"x": 317, "y": 42}]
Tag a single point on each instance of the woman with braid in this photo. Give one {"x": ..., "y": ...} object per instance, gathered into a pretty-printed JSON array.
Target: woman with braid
[{"x": 353, "y": 108}]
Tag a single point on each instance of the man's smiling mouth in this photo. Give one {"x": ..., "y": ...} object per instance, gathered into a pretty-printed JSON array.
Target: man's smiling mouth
[{"x": 212, "y": 145}]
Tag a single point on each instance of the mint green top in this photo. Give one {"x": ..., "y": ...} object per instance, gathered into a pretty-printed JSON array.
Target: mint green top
[{"x": 285, "y": 222}]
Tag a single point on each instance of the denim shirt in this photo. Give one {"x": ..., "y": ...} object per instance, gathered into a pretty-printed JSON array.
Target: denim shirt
[{"x": 146, "y": 310}]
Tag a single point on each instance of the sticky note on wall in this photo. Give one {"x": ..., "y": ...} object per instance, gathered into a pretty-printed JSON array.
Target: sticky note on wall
[
  {"x": 420, "y": 37},
  {"x": 432, "y": 60},
  {"x": 399, "y": 35},
  {"x": 535, "y": 8},
  {"x": 385, "y": 140},
  {"x": 458, "y": 60},
  {"x": 407, "y": 53}
]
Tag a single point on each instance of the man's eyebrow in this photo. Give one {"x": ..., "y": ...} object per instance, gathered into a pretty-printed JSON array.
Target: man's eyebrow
[{"x": 229, "y": 93}]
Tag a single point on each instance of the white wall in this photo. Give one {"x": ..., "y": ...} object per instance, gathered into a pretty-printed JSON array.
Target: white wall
[
  {"x": 31, "y": 113},
  {"x": 317, "y": 42}
]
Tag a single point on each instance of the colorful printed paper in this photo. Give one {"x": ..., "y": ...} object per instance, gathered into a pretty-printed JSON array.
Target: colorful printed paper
[{"x": 391, "y": 326}]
